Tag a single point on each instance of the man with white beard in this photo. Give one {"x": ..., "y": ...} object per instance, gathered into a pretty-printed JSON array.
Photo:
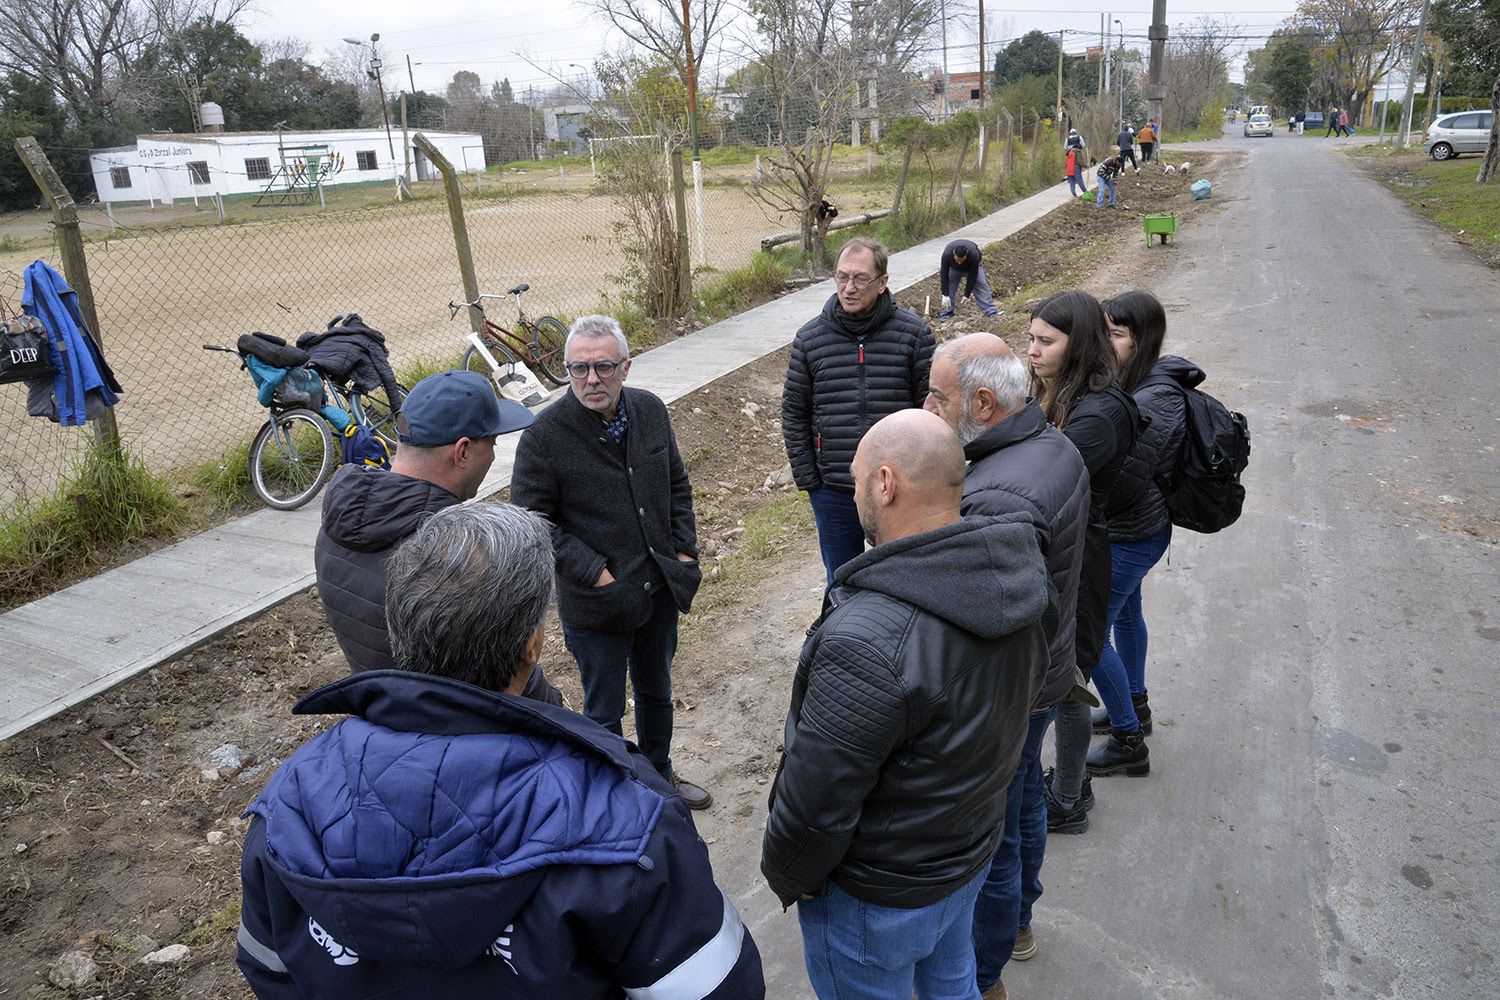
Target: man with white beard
[{"x": 1018, "y": 462}]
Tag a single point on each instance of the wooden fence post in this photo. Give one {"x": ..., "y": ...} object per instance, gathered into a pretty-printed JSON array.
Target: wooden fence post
[
  {"x": 454, "y": 197},
  {"x": 958, "y": 174},
  {"x": 911, "y": 146},
  {"x": 75, "y": 264}
]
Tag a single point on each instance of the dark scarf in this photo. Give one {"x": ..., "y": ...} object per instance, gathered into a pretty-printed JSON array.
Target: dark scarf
[{"x": 868, "y": 322}]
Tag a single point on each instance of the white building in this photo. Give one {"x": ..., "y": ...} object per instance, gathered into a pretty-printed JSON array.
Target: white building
[{"x": 163, "y": 167}]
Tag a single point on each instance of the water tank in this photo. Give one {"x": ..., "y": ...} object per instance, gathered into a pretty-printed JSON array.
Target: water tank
[{"x": 212, "y": 116}]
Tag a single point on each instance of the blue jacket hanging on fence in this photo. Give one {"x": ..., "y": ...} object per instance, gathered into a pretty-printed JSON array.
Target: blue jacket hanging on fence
[{"x": 84, "y": 382}]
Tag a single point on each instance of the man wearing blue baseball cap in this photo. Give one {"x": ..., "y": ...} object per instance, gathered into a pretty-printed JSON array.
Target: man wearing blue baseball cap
[{"x": 446, "y": 434}]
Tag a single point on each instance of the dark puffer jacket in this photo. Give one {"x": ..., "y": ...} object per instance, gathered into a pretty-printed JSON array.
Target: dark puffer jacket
[
  {"x": 367, "y": 512},
  {"x": 448, "y": 841},
  {"x": 1024, "y": 464},
  {"x": 845, "y": 373},
  {"x": 1137, "y": 508},
  {"x": 1103, "y": 427},
  {"x": 354, "y": 353},
  {"x": 909, "y": 711}
]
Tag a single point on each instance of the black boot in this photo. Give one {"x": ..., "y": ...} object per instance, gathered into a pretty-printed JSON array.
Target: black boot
[
  {"x": 1099, "y": 718},
  {"x": 1142, "y": 712},
  {"x": 1122, "y": 752}
]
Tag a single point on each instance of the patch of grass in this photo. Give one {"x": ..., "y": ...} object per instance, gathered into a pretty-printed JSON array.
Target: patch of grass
[
  {"x": 225, "y": 484},
  {"x": 225, "y": 921},
  {"x": 10, "y": 243},
  {"x": 731, "y": 292},
  {"x": 785, "y": 518},
  {"x": 1448, "y": 194},
  {"x": 415, "y": 370},
  {"x": 111, "y": 942},
  {"x": 109, "y": 500}
]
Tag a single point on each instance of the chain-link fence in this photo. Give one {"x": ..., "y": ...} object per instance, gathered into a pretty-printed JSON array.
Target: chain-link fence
[{"x": 163, "y": 292}]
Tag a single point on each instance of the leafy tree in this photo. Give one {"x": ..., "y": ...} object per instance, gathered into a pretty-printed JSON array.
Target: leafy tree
[
  {"x": 1033, "y": 54},
  {"x": 1472, "y": 29},
  {"x": 1291, "y": 75}
]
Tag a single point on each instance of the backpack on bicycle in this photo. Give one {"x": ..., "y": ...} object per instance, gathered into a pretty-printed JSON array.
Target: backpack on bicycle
[{"x": 277, "y": 368}]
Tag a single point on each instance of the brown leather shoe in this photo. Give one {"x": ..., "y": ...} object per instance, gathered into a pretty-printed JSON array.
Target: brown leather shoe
[
  {"x": 996, "y": 992},
  {"x": 692, "y": 796}
]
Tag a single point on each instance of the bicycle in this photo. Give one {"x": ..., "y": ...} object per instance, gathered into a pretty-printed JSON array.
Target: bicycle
[
  {"x": 541, "y": 348},
  {"x": 293, "y": 455}
]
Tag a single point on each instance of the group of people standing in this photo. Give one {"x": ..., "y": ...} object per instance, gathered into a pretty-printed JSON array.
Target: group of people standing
[
  {"x": 984, "y": 527},
  {"x": 1075, "y": 170},
  {"x": 1009, "y": 541}
]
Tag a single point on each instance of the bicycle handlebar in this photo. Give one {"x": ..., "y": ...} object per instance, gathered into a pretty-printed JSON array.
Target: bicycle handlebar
[
  {"x": 220, "y": 347},
  {"x": 478, "y": 303}
]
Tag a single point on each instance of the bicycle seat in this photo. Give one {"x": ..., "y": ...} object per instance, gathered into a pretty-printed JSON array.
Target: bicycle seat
[{"x": 519, "y": 289}]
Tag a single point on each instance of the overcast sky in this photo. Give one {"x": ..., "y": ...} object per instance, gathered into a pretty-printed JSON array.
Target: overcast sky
[{"x": 531, "y": 47}]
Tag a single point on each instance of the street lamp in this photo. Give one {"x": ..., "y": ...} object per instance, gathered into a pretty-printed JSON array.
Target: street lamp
[
  {"x": 374, "y": 74},
  {"x": 1120, "y": 68}
]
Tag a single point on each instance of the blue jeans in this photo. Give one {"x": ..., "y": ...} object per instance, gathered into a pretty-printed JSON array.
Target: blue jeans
[
  {"x": 1014, "y": 880},
  {"x": 1122, "y": 663},
  {"x": 1077, "y": 184},
  {"x": 859, "y": 951},
  {"x": 983, "y": 297},
  {"x": 840, "y": 536},
  {"x": 1105, "y": 182},
  {"x": 646, "y": 652}
]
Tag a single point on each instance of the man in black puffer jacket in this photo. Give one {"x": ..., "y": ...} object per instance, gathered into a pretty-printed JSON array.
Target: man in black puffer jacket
[
  {"x": 1018, "y": 463},
  {"x": 909, "y": 711},
  {"x": 447, "y": 444},
  {"x": 861, "y": 359}
]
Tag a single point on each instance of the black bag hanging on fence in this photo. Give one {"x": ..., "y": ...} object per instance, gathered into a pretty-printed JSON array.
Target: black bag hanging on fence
[{"x": 25, "y": 354}]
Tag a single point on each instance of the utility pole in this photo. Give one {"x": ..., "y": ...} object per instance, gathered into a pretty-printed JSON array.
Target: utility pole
[
  {"x": 983, "y": 69},
  {"x": 1386, "y": 104},
  {"x": 943, "y": 13},
  {"x": 1109, "y": 80},
  {"x": 1155, "y": 92},
  {"x": 531, "y": 117},
  {"x": 409, "y": 77},
  {"x": 1416, "y": 59},
  {"x": 692, "y": 89},
  {"x": 1103, "y": 54},
  {"x": 1059, "y": 82},
  {"x": 1120, "y": 71}
]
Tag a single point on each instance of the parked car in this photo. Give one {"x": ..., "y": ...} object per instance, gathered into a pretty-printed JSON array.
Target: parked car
[
  {"x": 1463, "y": 132},
  {"x": 1258, "y": 125},
  {"x": 1313, "y": 120}
]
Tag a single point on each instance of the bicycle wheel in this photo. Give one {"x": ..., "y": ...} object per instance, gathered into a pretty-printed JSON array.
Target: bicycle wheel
[
  {"x": 291, "y": 458},
  {"x": 476, "y": 362},
  {"x": 375, "y": 413},
  {"x": 547, "y": 349}
]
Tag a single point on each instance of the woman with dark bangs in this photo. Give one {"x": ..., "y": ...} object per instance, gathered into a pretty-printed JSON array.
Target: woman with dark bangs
[
  {"x": 1140, "y": 528},
  {"x": 1073, "y": 380}
]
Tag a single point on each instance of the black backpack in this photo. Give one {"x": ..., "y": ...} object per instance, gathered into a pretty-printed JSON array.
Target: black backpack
[{"x": 1206, "y": 494}]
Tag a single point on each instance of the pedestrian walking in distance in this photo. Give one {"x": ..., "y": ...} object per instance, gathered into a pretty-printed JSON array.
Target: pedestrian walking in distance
[
  {"x": 601, "y": 465},
  {"x": 908, "y": 715}
]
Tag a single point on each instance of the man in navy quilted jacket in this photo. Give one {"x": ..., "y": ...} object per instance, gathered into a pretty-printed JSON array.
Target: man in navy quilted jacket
[
  {"x": 862, "y": 358},
  {"x": 452, "y": 839}
]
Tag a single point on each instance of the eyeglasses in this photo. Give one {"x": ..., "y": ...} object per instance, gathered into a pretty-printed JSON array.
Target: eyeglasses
[
  {"x": 859, "y": 281},
  {"x": 604, "y": 369}
]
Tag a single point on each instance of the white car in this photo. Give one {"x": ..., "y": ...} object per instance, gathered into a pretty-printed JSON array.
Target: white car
[
  {"x": 1464, "y": 132},
  {"x": 1258, "y": 125}
]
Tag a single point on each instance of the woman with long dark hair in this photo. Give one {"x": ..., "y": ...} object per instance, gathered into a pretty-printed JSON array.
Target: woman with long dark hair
[
  {"x": 1073, "y": 380},
  {"x": 1140, "y": 528}
]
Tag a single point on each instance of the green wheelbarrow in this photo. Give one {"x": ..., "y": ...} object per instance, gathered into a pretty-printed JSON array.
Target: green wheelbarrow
[{"x": 1159, "y": 225}]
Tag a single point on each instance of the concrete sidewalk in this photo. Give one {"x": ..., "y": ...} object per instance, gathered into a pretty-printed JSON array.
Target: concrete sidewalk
[{"x": 71, "y": 645}]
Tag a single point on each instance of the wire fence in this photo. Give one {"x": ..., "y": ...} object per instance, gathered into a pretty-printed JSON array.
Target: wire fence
[{"x": 161, "y": 292}]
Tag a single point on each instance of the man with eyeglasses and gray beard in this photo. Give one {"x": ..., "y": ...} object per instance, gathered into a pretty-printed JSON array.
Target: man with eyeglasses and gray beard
[
  {"x": 862, "y": 358},
  {"x": 601, "y": 465},
  {"x": 1017, "y": 462}
]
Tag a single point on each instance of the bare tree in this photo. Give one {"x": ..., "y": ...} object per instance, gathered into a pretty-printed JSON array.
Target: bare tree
[
  {"x": 1361, "y": 39},
  {"x": 656, "y": 26},
  {"x": 1196, "y": 70},
  {"x": 808, "y": 68},
  {"x": 85, "y": 50}
]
